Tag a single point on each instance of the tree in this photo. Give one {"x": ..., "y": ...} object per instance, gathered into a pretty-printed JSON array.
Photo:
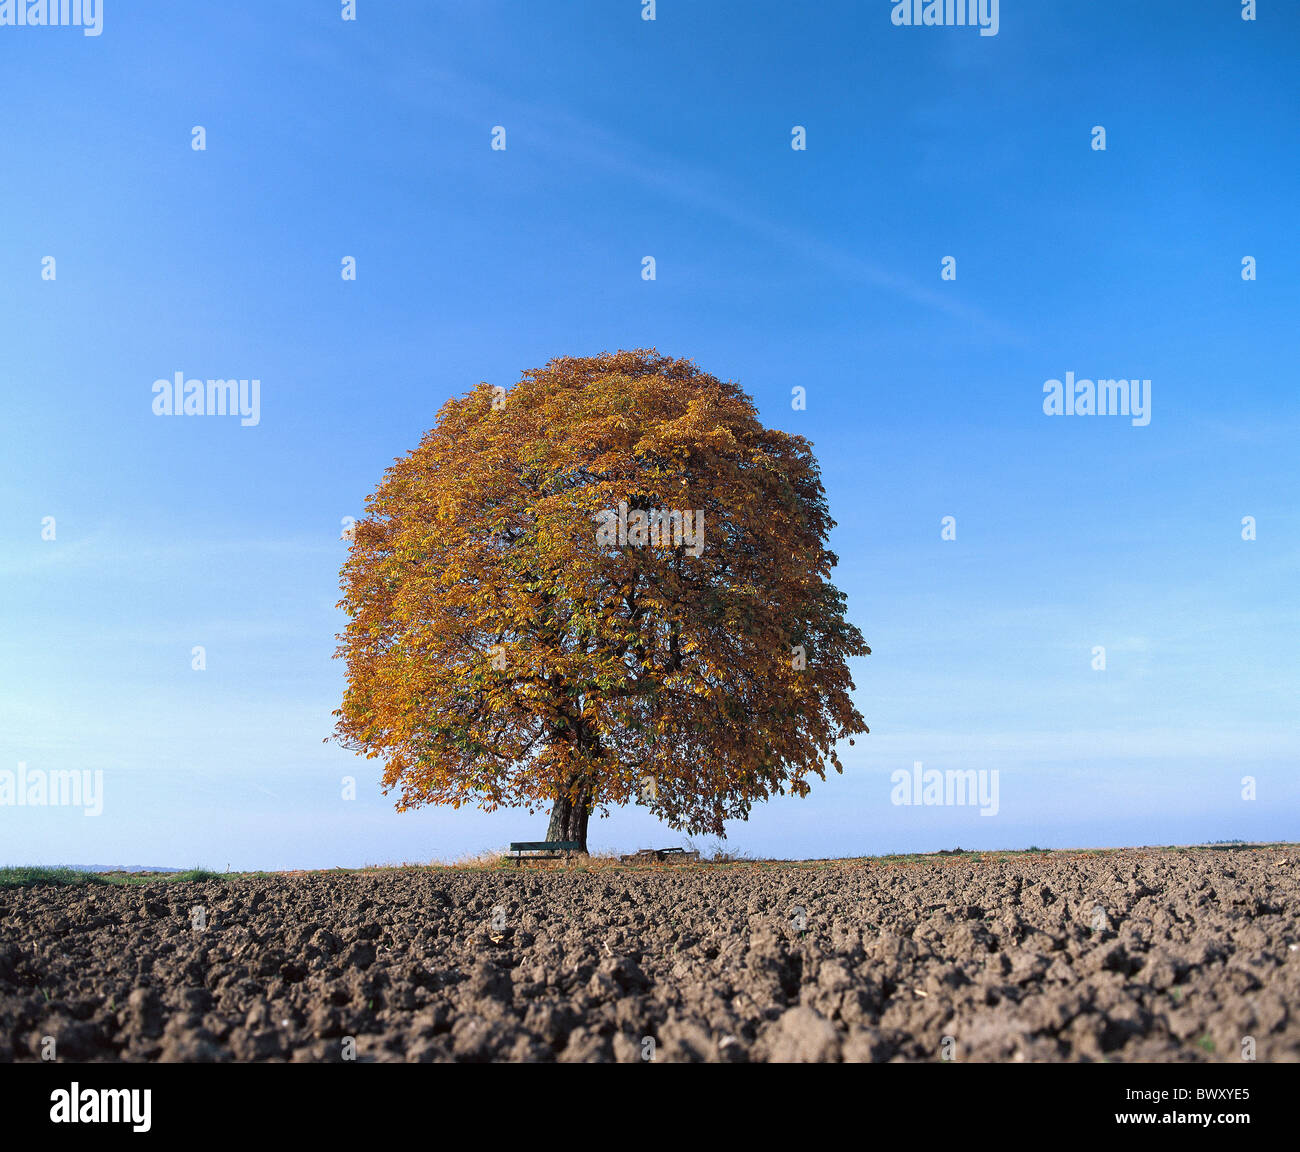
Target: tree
[{"x": 608, "y": 584}]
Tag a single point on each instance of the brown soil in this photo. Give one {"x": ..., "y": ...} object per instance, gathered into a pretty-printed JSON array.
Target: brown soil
[{"x": 853, "y": 961}]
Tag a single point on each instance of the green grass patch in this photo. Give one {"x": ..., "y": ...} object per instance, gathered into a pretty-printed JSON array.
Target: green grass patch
[
  {"x": 26, "y": 875},
  {"x": 194, "y": 874}
]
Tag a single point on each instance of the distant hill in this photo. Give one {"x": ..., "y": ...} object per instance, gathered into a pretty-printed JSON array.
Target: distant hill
[{"x": 115, "y": 868}]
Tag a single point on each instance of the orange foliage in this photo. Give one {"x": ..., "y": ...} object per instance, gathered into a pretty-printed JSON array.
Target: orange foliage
[{"x": 498, "y": 653}]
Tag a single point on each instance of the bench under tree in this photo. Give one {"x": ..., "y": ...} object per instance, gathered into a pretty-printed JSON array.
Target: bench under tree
[{"x": 544, "y": 849}]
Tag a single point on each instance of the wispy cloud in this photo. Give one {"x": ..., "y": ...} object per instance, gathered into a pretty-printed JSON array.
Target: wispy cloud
[
  {"x": 109, "y": 551},
  {"x": 569, "y": 142}
]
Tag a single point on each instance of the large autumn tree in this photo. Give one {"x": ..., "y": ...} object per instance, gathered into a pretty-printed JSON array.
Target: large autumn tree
[{"x": 517, "y": 636}]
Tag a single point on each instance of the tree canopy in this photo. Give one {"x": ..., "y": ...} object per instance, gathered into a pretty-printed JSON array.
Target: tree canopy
[{"x": 608, "y": 584}]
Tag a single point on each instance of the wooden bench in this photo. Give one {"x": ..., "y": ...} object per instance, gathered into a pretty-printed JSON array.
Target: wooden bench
[
  {"x": 543, "y": 849},
  {"x": 659, "y": 855}
]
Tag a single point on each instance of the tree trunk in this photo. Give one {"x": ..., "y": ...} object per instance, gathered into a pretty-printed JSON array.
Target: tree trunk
[{"x": 569, "y": 816}]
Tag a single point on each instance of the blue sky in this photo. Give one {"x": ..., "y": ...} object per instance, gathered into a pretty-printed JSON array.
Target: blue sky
[{"x": 774, "y": 267}]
